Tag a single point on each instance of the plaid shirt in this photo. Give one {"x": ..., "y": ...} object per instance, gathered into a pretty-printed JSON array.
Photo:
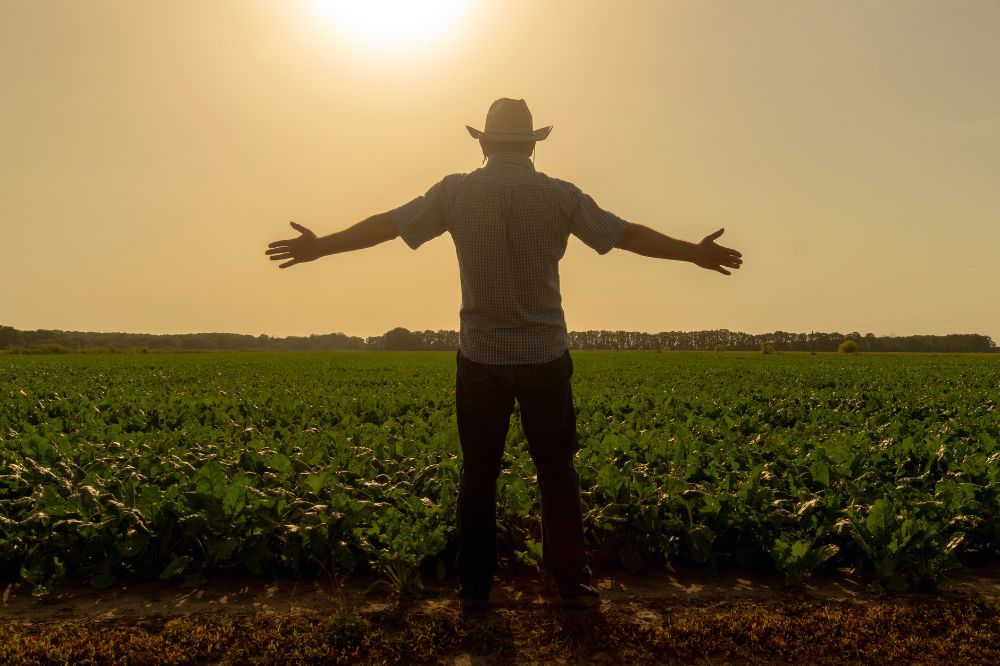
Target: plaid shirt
[{"x": 510, "y": 225}]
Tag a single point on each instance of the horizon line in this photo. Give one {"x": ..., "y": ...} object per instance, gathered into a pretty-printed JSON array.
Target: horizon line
[{"x": 454, "y": 330}]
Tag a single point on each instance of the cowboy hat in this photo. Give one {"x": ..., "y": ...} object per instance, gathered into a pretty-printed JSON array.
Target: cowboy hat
[{"x": 509, "y": 120}]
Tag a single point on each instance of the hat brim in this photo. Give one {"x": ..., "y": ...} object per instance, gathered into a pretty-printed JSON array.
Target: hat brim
[{"x": 538, "y": 135}]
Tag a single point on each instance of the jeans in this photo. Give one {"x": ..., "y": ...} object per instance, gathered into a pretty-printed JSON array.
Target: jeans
[{"x": 485, "y": 397}]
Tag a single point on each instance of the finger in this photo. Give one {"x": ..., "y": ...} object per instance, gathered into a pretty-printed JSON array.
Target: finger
[
  {"x": 722, "y": 270},
  {"x": 711, "y": 237},
  {"x": 298, "y": 227},
  {"x": 280, "y": 257},
  {"x": 732, "y": 262},
  {"x": 280, "y": 248},
  {"x": 282, "y": 242},
  {"x": 288, "y": 263}
]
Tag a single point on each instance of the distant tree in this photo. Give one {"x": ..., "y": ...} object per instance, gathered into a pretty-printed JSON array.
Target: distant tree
[
  {"x": 401, "y": 339},
  {"x": 848, "y": 346},
  {"x": 10, "y": 337}
]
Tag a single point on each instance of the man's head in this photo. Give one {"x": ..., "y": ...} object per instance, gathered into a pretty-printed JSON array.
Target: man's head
[{"x": 491, "y": 147}]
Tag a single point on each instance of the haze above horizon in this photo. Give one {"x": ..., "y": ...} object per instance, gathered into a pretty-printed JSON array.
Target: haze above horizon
[{"x": 851, "y": 151}]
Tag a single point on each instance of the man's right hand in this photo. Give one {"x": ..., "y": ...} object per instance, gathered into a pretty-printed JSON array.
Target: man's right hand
[
  {"x": 708, "y": 254},
  {"x": 306, "y": 247}
]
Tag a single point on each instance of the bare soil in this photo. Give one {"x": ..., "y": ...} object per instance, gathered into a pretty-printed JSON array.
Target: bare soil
[
  {"x": 665, "y": 617},
  {"x": 261, "y": 596}
]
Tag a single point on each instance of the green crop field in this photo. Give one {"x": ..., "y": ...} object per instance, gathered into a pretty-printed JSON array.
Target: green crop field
[{"x": 189, "y": 465}]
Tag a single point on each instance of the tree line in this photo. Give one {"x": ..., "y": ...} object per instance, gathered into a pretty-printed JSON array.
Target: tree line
[
  {"x": 726, "y": 340},
  {"x": 401, "y": 339}
]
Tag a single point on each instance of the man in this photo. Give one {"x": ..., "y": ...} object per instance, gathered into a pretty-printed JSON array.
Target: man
[{"x": 510, "y": 225}]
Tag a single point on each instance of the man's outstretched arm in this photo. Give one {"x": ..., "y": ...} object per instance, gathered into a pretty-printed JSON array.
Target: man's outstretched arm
[
  {"x": 308, "y": 247},
  {"x": 707, "y": 254}
]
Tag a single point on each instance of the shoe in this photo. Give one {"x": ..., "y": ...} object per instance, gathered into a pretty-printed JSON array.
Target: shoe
[{"x": 581, "y": 597}]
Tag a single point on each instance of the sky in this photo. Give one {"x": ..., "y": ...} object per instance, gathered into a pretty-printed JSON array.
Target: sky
[{"x": 149, "y": 151}]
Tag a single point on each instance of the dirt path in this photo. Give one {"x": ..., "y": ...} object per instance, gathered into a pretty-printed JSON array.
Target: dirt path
[
  {"x": 660, "y": 617},
  {"x": 255, "y": 596}
]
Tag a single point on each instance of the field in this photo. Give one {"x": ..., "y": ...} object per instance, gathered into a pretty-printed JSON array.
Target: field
[{"x": 191, "y": 467}]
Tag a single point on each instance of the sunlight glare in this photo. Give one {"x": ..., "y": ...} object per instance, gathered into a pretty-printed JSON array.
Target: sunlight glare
[{"x": 391, "y": 23}]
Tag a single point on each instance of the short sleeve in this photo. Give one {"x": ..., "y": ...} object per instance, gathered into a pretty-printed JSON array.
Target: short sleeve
[
  {"x": 596, "y": 227},
  {"x": 424, "y": 218}
]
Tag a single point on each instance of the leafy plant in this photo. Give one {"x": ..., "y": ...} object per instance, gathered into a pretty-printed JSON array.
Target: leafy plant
[{"x": 798, "y": 558}]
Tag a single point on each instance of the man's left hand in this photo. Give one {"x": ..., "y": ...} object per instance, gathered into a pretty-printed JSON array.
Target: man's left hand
[{"x": 715, "y": 257}]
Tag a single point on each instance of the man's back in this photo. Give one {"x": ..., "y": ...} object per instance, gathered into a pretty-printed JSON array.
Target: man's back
[{"x": 510, "y": 225}]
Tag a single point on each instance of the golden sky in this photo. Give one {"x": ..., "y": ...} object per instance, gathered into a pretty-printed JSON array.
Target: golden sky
[{"x": 150, "y": 150}]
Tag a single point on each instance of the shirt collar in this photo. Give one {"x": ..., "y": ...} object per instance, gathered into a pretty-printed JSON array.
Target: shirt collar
[{"x": 520, "y": 159}]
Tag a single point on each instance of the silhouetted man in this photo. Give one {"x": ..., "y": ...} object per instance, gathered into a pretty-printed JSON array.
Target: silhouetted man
[{"x": 510, "y": 224}]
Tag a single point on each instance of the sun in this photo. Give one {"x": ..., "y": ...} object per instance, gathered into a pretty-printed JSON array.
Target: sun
[{"x": 391, "y": 23}]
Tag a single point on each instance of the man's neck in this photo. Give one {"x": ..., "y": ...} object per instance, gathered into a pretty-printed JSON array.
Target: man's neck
[{"x": 501, "y": 157}]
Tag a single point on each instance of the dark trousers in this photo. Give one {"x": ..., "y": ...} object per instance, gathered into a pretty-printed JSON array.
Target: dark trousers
[{"x": 485, "y": 397}]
